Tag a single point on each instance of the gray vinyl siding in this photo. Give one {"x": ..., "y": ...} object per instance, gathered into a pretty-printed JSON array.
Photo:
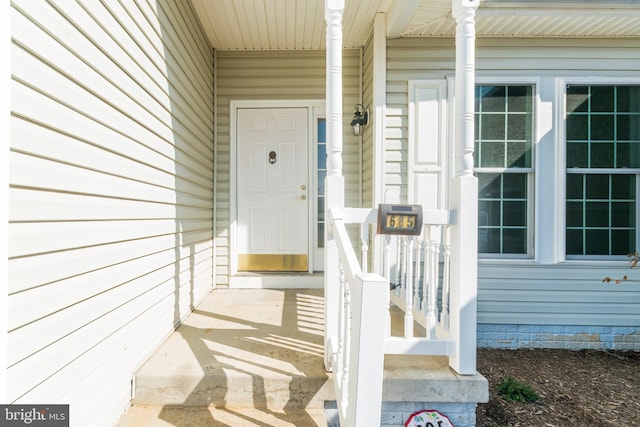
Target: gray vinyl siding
[
  {"x": 111, "y": 195},
  {"x": 519, "y": 292},
  {"x": 276, "y": 75},
  {"x": 367, "y": 139}
]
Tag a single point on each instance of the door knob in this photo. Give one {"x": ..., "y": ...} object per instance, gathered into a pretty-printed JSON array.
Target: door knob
[{"x": 303, "y": 197}]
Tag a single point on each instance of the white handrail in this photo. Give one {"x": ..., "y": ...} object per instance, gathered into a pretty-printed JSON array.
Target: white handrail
[
  {"x": 422, "y": 288},
  {"x": 359, "y": 359}
]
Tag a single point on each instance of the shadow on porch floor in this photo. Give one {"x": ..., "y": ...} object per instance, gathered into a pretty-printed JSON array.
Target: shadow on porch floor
[{"x": 243, "y": 357}]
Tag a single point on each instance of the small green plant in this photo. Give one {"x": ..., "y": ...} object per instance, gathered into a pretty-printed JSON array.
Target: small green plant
[{"x": 513, "y": 390}]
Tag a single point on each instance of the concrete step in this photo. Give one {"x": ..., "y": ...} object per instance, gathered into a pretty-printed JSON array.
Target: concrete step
[{"x": 171, "y": 416}]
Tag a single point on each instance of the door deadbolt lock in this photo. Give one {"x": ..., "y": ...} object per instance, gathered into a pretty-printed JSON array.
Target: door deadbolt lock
[{"x": 303, "y": 187}]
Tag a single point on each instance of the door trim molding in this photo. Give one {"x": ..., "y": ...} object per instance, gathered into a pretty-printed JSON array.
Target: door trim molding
[{"x": 312, "y": 106}]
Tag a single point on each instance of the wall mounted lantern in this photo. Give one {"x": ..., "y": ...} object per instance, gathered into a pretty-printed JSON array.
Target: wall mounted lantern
[{"x": 360, "y": 119}]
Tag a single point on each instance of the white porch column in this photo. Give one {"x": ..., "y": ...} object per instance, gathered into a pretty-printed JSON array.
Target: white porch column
[
  {"x": 334, "y": 182},
  {"x": 464, "y": 196}
]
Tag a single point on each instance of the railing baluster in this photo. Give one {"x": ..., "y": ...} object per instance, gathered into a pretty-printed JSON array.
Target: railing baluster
[
  {"x": 433, "y": 285},
  {"x": 408, "y": 296},
  {"x": 347, "y": 344},
  {"x": 446, "y": 280},
  {"x": 424, "y": 250},
  {"x": 364, "y": 247},
  {"x": 342, "y": 330},
  {"x": 387, "y": 275},
  {"x": 417, "y": 290},
  {"x": 399, "y": 265}
]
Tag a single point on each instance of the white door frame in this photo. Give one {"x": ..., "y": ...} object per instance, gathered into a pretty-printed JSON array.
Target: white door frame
[{"x": 314, "y": 109}]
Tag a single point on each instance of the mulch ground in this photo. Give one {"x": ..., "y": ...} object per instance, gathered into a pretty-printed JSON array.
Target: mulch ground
[{"x": 576, "y": 388}]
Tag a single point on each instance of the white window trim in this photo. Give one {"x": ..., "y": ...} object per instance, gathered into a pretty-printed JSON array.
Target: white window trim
[
  {"x": 533, "y": 194},
  {"x": 561, "y": 143}
]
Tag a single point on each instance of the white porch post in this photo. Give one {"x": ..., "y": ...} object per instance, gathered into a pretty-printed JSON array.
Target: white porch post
[
  {"x": 334, "y": 182},
  {"x": 464, "y": 196}
]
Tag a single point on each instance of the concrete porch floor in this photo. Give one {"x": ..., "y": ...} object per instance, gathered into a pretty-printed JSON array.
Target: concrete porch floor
[
  {"x": 254, "y": 357},
  {"x": 242, "y": 358}
]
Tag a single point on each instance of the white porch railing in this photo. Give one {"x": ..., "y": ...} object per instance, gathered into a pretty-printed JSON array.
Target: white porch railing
[{"x": 417, "y": 268}]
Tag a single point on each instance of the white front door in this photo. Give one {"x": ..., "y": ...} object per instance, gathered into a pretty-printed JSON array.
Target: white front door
[{"x": 272, "y": 189}]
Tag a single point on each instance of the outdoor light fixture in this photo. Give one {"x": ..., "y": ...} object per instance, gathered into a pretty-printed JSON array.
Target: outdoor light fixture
[{"x": 360, "y": 119}]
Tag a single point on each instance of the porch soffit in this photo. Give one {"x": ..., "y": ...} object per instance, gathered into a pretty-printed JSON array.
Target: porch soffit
[{"x": 299, "y": 24}]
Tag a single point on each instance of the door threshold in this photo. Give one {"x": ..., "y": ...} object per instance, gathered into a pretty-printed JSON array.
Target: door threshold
[{"x": 276, "y": 280}]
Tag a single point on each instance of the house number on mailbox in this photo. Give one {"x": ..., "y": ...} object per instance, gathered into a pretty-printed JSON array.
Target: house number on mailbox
[{"x": 400, "y": 219}]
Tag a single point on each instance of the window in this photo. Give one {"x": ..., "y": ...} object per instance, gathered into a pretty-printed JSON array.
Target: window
[
  {"x": 321, "y": 175},
  {"x": 504, "y": 167},
  {"x": 603, "y": 168}
]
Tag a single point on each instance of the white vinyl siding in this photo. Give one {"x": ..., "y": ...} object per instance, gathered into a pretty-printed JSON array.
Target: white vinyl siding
[
  {"x": 537, "y": 291},
  {"x": 111, "y": 183},
  {"x": 276, "y": 75}
]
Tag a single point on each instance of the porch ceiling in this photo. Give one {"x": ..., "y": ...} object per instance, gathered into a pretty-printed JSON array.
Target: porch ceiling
[{"x": 297, "y": 24}]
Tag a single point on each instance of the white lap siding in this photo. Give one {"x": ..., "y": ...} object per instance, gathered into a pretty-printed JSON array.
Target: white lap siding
[
  {"x": 542, "y": 291},
  {"x": 111, "y": 183}
]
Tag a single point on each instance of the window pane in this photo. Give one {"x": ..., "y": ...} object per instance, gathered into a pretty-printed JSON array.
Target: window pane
[
  {"x": 321, "y": 176},
  {"x": 597, "y": 214},
  {"x": 519, "y": 98},
  {"x": 320, "y": 208},
  {"x": 322, "y": 156},
  {"x": 577, "y": 155},
  {"x": 597, "y": 187},
  {"x": 322, "y": 130},
  {"x": 575, "y": 244},
  {"x": 492, "y": 154},
  {"x": 517, "y": 128},
  {"x": 502, "y": 205},
  {"x": 515, "y": 213},
  {"x": 492, "y": 98},
  {"x": 628, "y": 127},
  {"x": 622, "y": 242},
  {"x": 489, "y": 241},
  {"x": 623, "y": 214},
  {"x": 602, "y": 155},
  {"x": 602, "y": 127},
  {"x": 514, "y": 241},
  {"x": 628, "y": 99},
  {"x": 515, "y": 185},
  {"x": 577, "y": 98},
  {"x": 577, "y": 127},
  {"x": 489, "y": 185},
  {"x": 602, "y": 98},
  {"x": 488, "y": 213},
  {"x": 492, "y": 127},
  {"x": 575, "y": 186},
  {"x": 574, "y": 214},
  {"x": 321, "y": 235},
  {"x": 623, "y": 187},
  {"x": 608, "y": 207},
  {"x": 519, "y": 155},
  {"x": 596, "y": 242}
]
